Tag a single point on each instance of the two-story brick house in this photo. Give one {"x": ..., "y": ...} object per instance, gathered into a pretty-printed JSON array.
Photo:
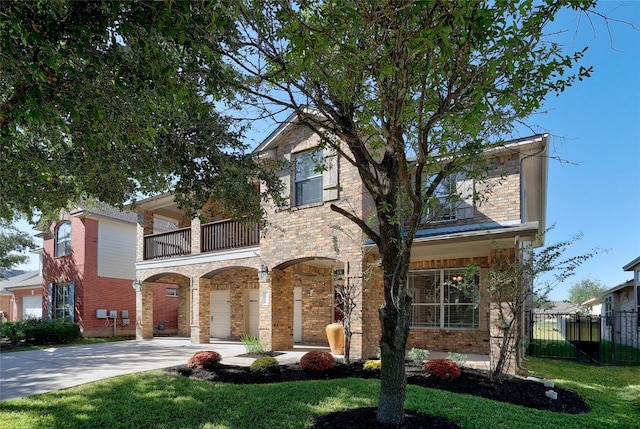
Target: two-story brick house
[
  {"x": 88, "y": 269},
  {"x": 279, "y": 283}
]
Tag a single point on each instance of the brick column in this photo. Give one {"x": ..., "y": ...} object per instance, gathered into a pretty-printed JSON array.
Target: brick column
[
  {"x": 144, "y": 227},
  {"x": 201, "y": 311},
  {"x": 195, "y": 236},
  {"x": 282, "y": 310},
  {"x": 144, "y": 312},
  {"x": 496, "y": 334}
]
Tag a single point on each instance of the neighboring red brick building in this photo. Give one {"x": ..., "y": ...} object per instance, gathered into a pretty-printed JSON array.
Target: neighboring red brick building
[
  {"x": 279, "y": 283},
  {"x": 88, "y": 272}
]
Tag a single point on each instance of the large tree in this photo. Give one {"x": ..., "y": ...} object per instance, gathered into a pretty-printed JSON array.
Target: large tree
[
  {"x": 584, "y": 290},
  {"x": 107, "y": 99},
  {"x": 13, "y": 244},
  {"x": 416, "y": 91}
]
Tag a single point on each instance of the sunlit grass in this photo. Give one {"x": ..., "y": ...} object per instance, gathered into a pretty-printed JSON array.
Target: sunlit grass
[{"x": 159, "y": 400}]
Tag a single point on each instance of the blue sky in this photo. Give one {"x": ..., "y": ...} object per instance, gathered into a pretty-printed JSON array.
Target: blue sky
[{"x": 594, "y": 126}]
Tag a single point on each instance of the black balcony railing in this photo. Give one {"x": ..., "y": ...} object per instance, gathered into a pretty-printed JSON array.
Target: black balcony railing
[
  {"x": 228, "y": 234},
  {"x": 167, "y": 244}
]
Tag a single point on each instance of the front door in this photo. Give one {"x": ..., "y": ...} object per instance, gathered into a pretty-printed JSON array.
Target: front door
[
  {"x": 252, "y": 312},
  {"x": 220, "y": 314}
]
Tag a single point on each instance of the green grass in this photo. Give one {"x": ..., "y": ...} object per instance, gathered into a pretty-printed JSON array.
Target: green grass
[
  {"x": 8, "y": 348},
  {"x": 156, "y": 399}
]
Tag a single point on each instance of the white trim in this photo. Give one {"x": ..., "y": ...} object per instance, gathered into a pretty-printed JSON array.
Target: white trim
[{"x": 202, "y": 258}]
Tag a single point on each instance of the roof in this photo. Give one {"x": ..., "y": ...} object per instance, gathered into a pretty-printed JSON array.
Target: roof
[
  {"x": 28, "y": 279},
  {"x": 560, "y": 307},
  {"x": 631, "y": 265},
  {"x": 597, "y": 299}
]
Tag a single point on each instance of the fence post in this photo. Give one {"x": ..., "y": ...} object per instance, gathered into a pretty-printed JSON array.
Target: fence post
[{"x": 612, "y": 335}]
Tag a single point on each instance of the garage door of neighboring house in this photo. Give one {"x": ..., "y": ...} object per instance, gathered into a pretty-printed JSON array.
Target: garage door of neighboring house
[
  {"x": 297, "y": 314},
  {"x": 31, "y": 306},
  {"x": 252, "y": 312},
  {"x": 220, "y": 314}
]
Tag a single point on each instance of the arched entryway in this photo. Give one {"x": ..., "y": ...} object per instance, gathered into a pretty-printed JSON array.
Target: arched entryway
[{"x": 163, "y": 306}]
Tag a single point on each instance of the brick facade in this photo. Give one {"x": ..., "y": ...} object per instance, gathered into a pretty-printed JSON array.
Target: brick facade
[{"x": 302, "y": 247}]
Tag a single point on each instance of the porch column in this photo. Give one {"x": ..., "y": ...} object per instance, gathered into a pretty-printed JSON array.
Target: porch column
[
  {"x": 144, "y": 227},
  {"x": 196, "y": 236},
  {"x": 144, "y": 312},
  {"x": 200, "y": 311},
  {"x": 266, "y": 318}
]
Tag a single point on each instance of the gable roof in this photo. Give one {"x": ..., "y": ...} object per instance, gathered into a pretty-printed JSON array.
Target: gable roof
[
  {"x": 28, "y": 279},
  {"x": 631, "y": 265}
]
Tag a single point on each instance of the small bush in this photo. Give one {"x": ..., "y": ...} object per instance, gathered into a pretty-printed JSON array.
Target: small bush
[
  {"x": 458, "y": 358},
  {"x": 418, "y": 356},
  {"x": 252, "y": 345},
  {"x": 265, "y": 364},
  {"x": 372, "y": 365},
  {"x": 445, "y": 369},
  {"x": 205, "y": 360},
  {"x": 317, "y": 360}
]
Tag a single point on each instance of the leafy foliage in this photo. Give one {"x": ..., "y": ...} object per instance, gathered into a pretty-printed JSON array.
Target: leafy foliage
[
  {"x": 12, "y": 242},
  {"x": 252, "y": 344},
  {"x": 584, "y": 290},
  {"x": 317, "y": 360},
  {"x": 446, "y": 369},
  {"x": 41, "y": 331},
  {"x": 114, "y": 99},
  {"x": 418, "y": 356},
  {"x": 265, "y": 364},
  {"x": 372, "y": 365},
  {"x": 206, "y": 359}
]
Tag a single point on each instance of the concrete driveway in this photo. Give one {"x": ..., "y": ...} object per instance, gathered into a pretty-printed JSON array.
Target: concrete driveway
[{"x": 38, "y": 371}]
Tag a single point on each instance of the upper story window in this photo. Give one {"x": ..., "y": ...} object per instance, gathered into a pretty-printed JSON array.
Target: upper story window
[
  {"x": 444, "y": 299},
  {"x": 443, "y": 206},
  {"x": 308, "y": 180},
  {"x": 63, "y": 239}
]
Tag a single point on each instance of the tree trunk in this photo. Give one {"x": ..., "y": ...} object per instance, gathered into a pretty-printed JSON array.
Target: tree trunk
[{"x": 395, "y": 331}]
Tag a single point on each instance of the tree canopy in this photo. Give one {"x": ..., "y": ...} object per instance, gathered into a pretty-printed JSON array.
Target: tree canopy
[
  {"x": 113, "y": 99},
  {"x": 12, "y": 245},
  {"x": 584, "y": 290}
]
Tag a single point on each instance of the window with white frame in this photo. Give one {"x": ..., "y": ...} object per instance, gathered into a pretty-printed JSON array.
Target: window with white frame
[
  {"x": 444, "y": 299},
  {"x": 308, "y": 179},
  {"x": 443, "y": 205},
  {"x": 171, "y": 291},
  {"x": 608, "y": 310},
  {"x": 62, "y": 301},
  {"x": 63, "y": 239}
]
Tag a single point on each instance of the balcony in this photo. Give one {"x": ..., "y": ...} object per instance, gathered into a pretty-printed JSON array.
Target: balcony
[{"x": 214, "y": 237}]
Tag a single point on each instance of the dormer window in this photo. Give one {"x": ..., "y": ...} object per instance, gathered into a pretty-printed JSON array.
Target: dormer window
[
  {"x": 63, "y": 239},
  {"x": 308, "y": 180}
]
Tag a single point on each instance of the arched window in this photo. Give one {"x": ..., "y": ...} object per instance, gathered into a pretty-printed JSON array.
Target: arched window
[{"x": 63, "y": 239}]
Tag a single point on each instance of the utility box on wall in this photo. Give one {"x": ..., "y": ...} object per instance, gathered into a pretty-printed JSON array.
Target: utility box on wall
[{"x": 101, "y": 313}]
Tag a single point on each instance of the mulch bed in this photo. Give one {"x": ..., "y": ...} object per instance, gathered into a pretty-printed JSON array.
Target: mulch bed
[{"x": 513, "y": 390}]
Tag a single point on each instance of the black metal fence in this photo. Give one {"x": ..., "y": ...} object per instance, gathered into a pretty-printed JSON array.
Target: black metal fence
[{"x": 612, "y": 339}]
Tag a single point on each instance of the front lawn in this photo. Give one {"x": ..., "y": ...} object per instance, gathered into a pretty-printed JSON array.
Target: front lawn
[{"x": 159, "y": 400}]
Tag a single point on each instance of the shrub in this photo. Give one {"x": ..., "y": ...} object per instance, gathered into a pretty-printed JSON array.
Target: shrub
[
  {"x": 317, "y": 360},
  {"x": 265, "y": 364},
  {"x": 445, "y": 369},
  {"x": 372, "y": 365},
  {"x": 418, "y": 356},
  {"x": 252, "y": 345},
  {"x": 205, "y": 360},
  {"x": 41, "y": 331},
  {"x": 458, "y": 358}
]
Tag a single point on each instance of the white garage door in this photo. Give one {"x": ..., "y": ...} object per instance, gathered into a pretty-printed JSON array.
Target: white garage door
[
  {"x": 31, "y": 306},
  {"x": 220, "y": 314}
]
